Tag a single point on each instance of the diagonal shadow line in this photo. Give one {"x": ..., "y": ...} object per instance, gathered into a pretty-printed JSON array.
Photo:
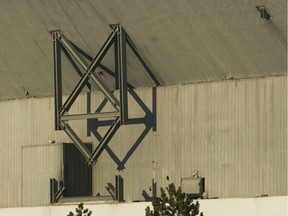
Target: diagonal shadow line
[
  {"x": 121, "y": 163},
  {"x": 139, "y": 101},
  {"x": 107, "y": 148},
  {"x": 137, "y": 54},
  {"x": 97, "y": 135},
  {"x": 147, "y": 120},
  {"x": 86, "y": 55},
  {"x": 77, "y": 69},
  {"x": 115, "y": 158},
  {"x": 134, "y": 147}
]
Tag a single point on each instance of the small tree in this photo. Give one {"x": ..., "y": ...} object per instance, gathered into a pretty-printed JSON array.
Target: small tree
[
  {"x": 175, "y": 204},
  {"x": 80, "y": 211}
]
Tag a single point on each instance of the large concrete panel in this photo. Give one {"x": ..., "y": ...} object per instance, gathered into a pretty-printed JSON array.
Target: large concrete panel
[{"x": 234, "y": 133}]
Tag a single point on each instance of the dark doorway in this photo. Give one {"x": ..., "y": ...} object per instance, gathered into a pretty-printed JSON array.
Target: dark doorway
[{"x": 77, "y": 173}]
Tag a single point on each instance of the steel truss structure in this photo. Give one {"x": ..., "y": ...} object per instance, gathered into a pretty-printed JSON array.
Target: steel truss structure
[{"x": 120, "y": 39}]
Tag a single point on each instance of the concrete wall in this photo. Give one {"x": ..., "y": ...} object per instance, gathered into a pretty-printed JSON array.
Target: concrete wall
[
  {"x": 233, "y": 132},
  {"x": 268, "y": 206}
]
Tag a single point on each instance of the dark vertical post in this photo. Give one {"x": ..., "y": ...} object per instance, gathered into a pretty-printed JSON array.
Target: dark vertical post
[
  {"x": 119, "y": 188},
  {"x": 122, "y": 74},
  {"x": 154, "y": 108},
  {"x": 51, "y": 191},
  {"x": 154, "y": 188},
  {"x": 57, "y": 79}
]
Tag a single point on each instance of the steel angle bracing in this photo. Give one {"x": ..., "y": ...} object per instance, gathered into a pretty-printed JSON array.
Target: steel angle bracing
[
  {"x": 76, "y": 140},
  {"x": 119, "y": 38},
  {"x": 88, "y": 72},
  {"x": 57, "y": 79},
  {"x": 122, "y": 73}
]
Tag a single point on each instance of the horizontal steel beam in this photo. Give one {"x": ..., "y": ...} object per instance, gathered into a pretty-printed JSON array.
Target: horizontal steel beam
[{"x": 89, "y": 116}]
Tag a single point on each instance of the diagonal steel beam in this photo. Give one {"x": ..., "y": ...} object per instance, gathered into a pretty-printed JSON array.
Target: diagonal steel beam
[
  {"x": 120, "y": 39},
  {"x": 76, "y": 91},
  {"x": 105, "y": 89},
  {"x": 75, "y": 66},
  {"x": 89, "y": 69},
  {"x": 101, "y": 66},
  {"x": 71, "y": 49},
  {"x": 108, "y": 43},
  {"x": 77, "y": 141},
  {"x": 105, "y": 140}
]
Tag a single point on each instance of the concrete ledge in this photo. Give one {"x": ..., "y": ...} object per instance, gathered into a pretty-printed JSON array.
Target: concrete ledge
[{"x": 266, "y": 206}]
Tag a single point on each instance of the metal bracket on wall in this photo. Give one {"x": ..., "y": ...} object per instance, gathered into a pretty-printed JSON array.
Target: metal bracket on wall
[
  {"x": 120, "y": 39},
  {"x": 117, "y": 193},
  {"x": 55, "y": 192}
]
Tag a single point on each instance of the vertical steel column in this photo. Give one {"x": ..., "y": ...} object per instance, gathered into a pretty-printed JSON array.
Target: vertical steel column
[
  {"x": 122, "y": 73},
  {"x": 57, "y": 79},
  {"x": 116, "y": 63}
]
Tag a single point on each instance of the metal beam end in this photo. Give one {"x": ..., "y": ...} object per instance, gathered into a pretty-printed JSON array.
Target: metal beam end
[
  {"x": 113, "y": 26},
  {"x": 91, "y": 162},
  {"x": 57, "y": 31}
]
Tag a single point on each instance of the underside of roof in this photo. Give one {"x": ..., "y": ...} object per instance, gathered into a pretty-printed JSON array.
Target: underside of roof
[{"x": 181, "y": 41}]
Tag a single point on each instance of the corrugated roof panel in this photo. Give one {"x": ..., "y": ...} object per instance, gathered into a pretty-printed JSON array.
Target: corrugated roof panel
[{"x": 182, "y": 42}]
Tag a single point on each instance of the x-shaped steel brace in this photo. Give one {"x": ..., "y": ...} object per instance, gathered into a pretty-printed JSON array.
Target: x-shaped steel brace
[
  {"x": 118, "y": 35},
  {"x": 89, "y": 69}
]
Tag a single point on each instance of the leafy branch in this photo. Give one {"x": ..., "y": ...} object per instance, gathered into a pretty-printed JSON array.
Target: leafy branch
[{"x": 80, "y": 211}]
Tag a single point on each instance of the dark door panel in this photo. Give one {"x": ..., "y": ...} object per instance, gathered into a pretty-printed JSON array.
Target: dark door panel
[{"x": 77, "y": 174}]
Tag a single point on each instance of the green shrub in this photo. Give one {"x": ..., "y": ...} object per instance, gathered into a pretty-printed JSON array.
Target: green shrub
[{"x": 173, "y": 204}]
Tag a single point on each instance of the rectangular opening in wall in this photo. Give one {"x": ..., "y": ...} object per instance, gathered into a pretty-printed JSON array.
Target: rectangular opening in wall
[{"x": 77, "y": 173}]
